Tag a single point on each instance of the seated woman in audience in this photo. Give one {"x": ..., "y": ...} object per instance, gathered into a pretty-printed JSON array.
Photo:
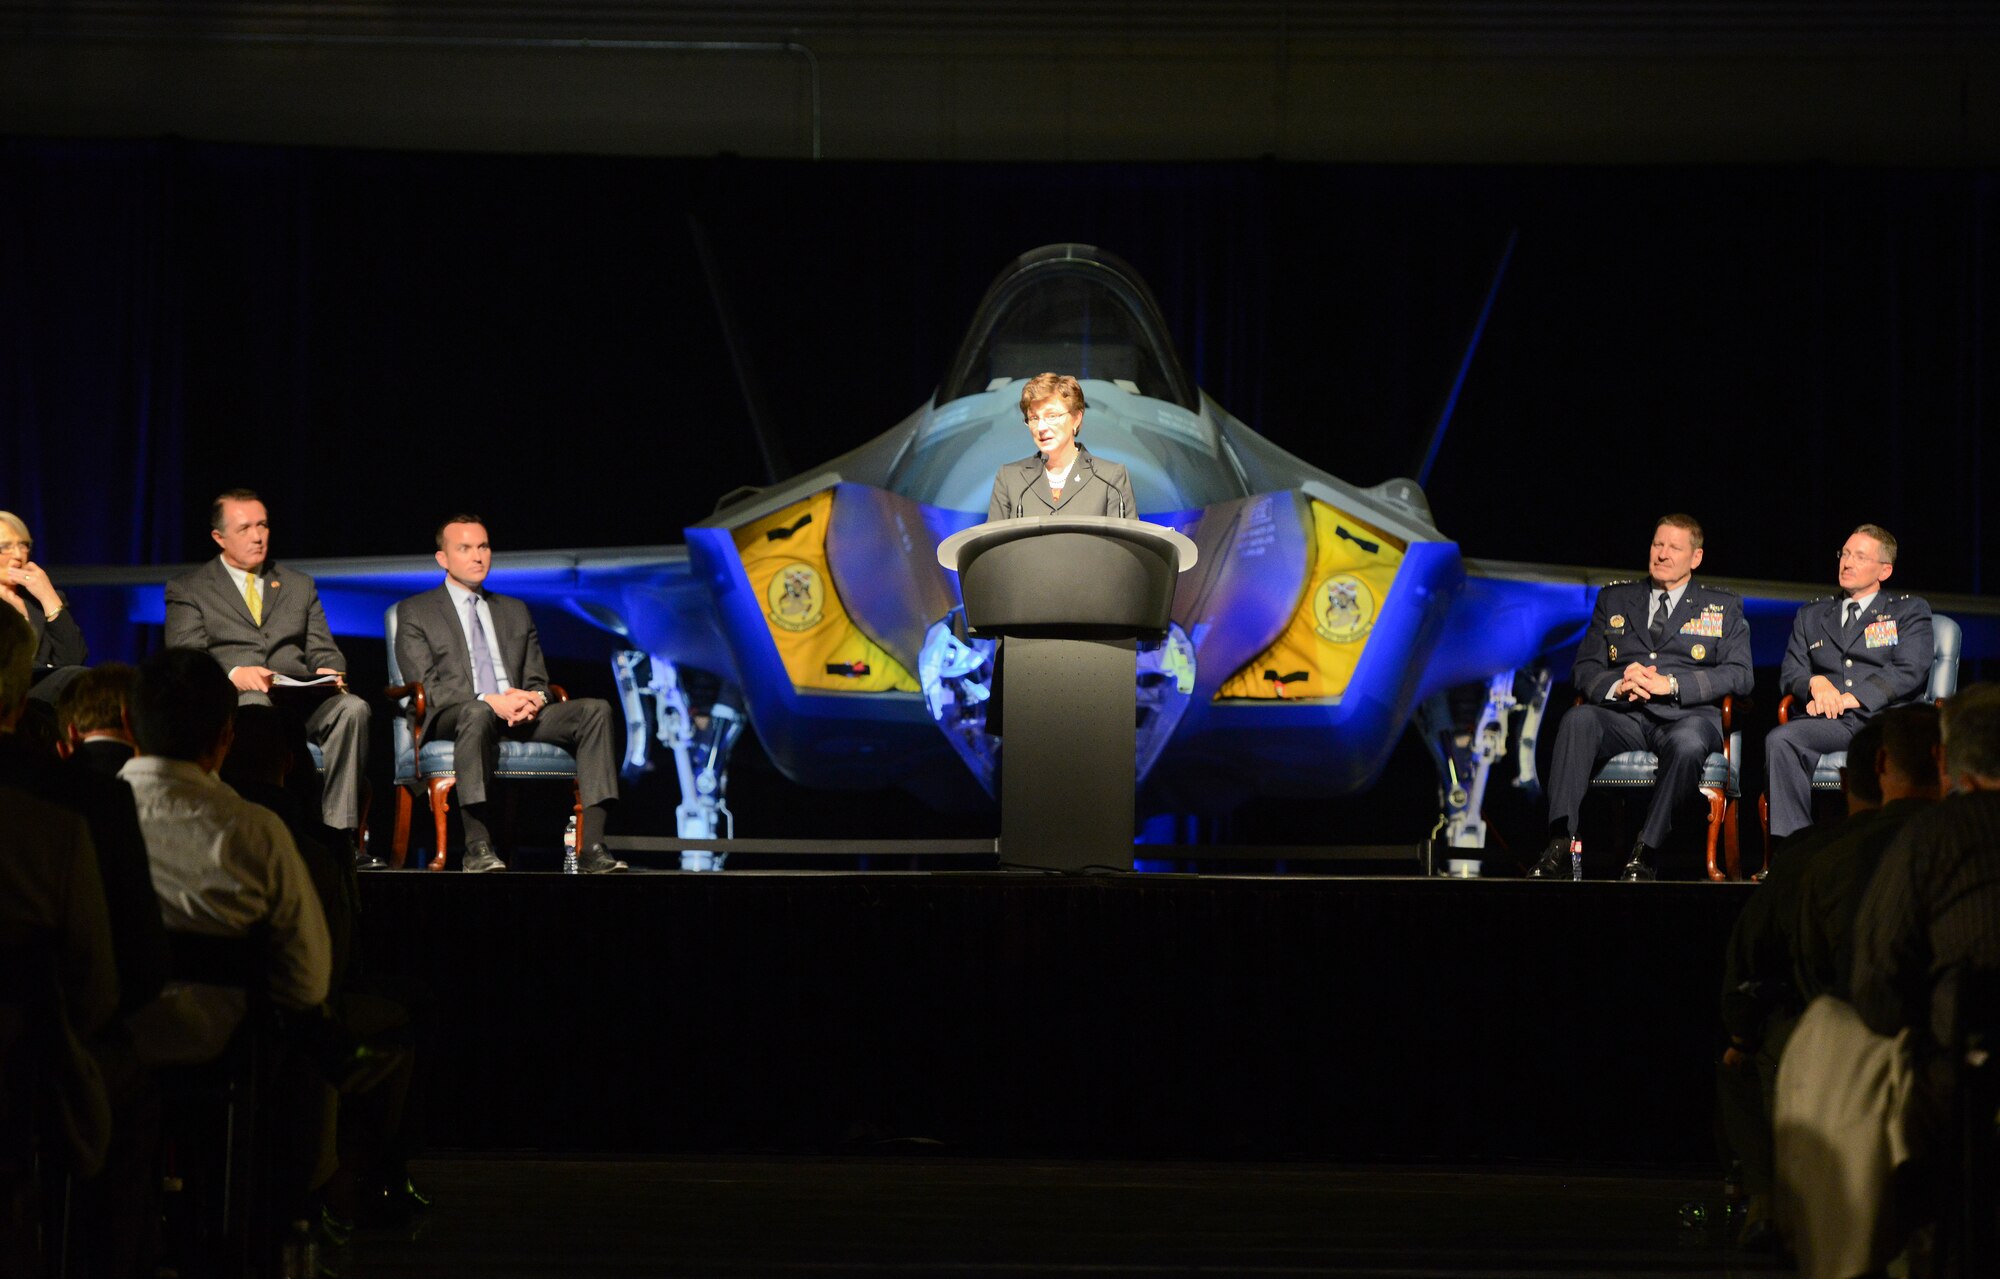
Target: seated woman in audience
[{"x": 59, "y": 645}]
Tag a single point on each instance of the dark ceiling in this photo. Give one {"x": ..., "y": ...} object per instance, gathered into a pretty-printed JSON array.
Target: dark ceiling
[{"x": 1451, "y": 81}]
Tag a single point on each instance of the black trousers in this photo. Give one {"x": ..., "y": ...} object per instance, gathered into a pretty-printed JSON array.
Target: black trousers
[
  {"x": 582, "y": 726},
  {"x": 1590, "y": 734}
]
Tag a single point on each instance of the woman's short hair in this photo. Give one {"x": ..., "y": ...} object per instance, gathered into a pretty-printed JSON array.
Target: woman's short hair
[
  {"x": 17, "y": 525},
  {"x": 1052, "y": 386}
]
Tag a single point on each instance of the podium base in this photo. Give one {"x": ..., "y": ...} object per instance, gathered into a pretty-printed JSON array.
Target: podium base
[{"x": 1067, "y": 793}]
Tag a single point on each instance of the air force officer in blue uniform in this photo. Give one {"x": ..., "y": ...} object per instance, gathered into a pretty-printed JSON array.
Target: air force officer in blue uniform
[
  {"x": 1851, "y": 656},
  {"x": 1658, "y": 659}
]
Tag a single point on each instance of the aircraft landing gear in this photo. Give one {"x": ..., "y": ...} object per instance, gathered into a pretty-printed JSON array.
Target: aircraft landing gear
[
  {"x": 1465, "y": 759},
  {"x": 700, "y": 745}
]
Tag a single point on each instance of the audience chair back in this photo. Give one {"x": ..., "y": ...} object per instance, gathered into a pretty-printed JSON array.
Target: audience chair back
[
  {"x": 28, "y": 1175},
  {"x": 220, "y": 1131},
  {"x": 1969, "y": 1237}
]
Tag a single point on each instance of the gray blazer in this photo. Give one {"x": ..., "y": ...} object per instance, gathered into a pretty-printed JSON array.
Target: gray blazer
[
  {"x": 1096, "y": 487},
  {"x": 205, "y": 610},
  {"x": 430, "y": 647}
]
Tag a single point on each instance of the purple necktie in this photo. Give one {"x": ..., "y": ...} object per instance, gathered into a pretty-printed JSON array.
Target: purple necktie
[{"x": 482, "y": 654}]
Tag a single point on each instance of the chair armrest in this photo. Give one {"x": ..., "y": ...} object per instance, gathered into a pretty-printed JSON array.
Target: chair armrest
[
  {"x": 1728, "y": 715},
  {"x": 557, "y": 693},
  {"x": 1785, "y": 709},
  {"x": 414, "y": 690}
]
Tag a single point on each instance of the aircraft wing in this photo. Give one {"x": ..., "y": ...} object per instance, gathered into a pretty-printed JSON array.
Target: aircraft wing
[{"x": 648, "y": 596}]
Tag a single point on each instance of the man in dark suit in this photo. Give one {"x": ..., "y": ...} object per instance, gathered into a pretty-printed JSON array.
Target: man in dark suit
[
  {"x": 1658, "y": 659},
  {"x": 480, "y": 662},
  {"x": 264, "y": 624},
  {"x": 1850, "y": 656}
]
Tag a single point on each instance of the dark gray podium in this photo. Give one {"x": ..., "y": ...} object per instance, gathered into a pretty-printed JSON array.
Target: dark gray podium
[{"x": 1072, "y": 598}]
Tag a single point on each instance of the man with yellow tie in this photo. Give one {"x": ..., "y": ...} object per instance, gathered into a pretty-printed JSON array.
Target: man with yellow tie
[{"x": 264, "y": 624}]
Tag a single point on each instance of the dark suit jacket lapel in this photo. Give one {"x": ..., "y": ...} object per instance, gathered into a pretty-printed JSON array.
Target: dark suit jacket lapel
[
  {"x": 454, "y": 630},
  {"x": 1035, "y": 483},
  {"x": 508, "y": 639},
  {"x": 225, "y": 581},
  {"x": 1678, "y": 615},
  {"x": 268, "y": 583},
  {"x": 1845, "y": 638}
]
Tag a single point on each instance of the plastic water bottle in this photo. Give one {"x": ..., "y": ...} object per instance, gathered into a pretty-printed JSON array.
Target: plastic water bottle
[
  {"x": 569, "y": 846},
  {"x": 299, "y": 1260},
  {"x": 1575, "y": 858}
]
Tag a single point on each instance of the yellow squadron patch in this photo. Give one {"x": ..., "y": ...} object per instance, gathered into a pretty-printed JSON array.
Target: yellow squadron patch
[
  {"x": 797, "y": 598},
  {"x": 1343, "y": 608}
]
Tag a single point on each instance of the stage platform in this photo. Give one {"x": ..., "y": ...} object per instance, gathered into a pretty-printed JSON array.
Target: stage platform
[
  {"x": 807, "y": 1217},
  {"x": 1008, "y": 1014}
]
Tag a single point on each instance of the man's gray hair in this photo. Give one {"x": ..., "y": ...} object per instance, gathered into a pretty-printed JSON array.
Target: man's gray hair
[{"x": 1972, "y": 733}]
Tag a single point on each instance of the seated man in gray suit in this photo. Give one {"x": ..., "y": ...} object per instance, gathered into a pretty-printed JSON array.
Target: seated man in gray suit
[
  {"x": 264, "y": 624},
  {"x": 480, "y": 662}
]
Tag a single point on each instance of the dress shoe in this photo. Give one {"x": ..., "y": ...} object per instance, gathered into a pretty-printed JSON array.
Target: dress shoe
[
  {"x": 480, "y": 857},
  {"x": 597, "y": 860},
  {"x": 387, "y": 1207},
  {"x": 1639, "y": 870},
  {"x": 367, "y": 860},
  {"x": 1555, "y": 860}
]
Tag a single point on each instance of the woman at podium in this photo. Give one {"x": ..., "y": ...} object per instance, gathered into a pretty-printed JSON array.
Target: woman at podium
[{"x": 1062, "y": 477}]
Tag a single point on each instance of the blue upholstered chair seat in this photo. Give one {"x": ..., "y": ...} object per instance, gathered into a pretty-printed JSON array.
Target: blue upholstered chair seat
[
  {"x": 319, "y": 756},
  {"x": 1827, "y": 775},
  {"x": 1639, "y": 768},
  {"x": 1721, "y": 784},
  {"x": 517, "y": 759}
]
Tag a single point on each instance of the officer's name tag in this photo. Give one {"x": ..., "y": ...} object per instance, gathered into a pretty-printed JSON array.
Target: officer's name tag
[
  {"x": 1881, "y": 633},
  {"x": 1815, "y": 644}
]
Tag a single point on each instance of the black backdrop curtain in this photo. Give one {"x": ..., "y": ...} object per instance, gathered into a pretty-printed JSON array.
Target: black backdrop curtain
[{"x": 373, "y": 339}]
